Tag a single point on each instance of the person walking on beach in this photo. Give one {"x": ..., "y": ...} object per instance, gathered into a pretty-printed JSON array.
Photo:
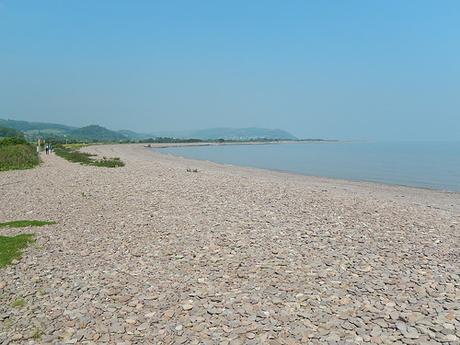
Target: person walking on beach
[{"x": 47, "y": 149}]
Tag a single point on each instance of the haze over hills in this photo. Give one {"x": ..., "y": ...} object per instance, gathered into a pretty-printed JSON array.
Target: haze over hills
[
  {"x": 25, "y": 126},
  {"x": 230, "y": 134},
  {"x": 33, "y": 130},
  {"x": 95, "y": 132}
]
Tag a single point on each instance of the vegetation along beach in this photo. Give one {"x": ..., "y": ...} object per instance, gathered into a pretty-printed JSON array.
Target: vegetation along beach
[{"x": 153, "y": 252}]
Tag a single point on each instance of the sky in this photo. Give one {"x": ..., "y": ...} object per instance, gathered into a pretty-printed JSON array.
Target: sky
[{"x": 362, "y": 70}]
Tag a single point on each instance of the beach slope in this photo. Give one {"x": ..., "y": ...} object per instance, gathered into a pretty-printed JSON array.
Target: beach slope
[{"x": 153, "y": 253}]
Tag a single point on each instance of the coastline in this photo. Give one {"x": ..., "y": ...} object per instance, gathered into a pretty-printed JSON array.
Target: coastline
[
  {"x": 213, "y": 143},
  {"x": 151, "y": 252},
  {"x": 376, "y": 181},
  {"x": 162, "y": 146},
  {"x": 442, "y": 199}
]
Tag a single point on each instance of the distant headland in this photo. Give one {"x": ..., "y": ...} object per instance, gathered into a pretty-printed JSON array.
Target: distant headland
[{"x": 96, "y": 133}]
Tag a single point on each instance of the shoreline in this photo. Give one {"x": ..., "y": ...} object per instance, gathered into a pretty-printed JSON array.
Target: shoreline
[
  {"x": 297, "y": 173},
  {"x": 441, "y": 199},
  {"x": 213, "y": 143},
  {"x": 153, "y": 252}
]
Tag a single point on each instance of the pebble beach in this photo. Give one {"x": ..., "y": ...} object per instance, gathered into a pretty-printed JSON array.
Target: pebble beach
[{"x": 155, "y": 253}]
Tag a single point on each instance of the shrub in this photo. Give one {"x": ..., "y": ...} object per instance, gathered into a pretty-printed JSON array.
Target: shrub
[
  {"x": 17, "y": 156},
  {"x": 12, "y": 141}
]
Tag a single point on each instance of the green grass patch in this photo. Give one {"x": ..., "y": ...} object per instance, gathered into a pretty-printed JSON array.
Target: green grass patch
[
  {"x": 73, "y": 155},
  {"x": 18, "y": 303},
  {"x": 15, "y": 156},
  {"x": 11, "y": 247},
  {"x": 25, "y": 223}
]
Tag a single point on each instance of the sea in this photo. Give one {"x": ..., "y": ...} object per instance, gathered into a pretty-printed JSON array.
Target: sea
[{"x": 434, "y": 165}]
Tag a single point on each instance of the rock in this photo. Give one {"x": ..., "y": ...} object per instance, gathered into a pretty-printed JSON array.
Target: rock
[
  {"x": 16, "y": 337},
  {"x": 250, "y": 335},
  {"x": 401, "y": 326},
  {"x": 412, "y": 333},
  {"x": 376, "y": 331},
  {"x": 449, "y": 338},
  {"x": 213, "y": 311},
  {"x": 448, "y": 328},
  {"x": 348, "y": 326},
  {"x": 143, "y": 326},
  {"x": 117, "y": 328},
  {"x": 394, "y": 315},
  {"x": 187, "y": 306}
]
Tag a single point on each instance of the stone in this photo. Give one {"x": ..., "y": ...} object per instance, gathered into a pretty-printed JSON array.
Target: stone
[
  {"x": 449, "y": 338},
  {"x": 401, "y": 326},
  {"x": 250, "y": 335},
  {"x": 16, "y": 337},
  {"x": 187, "y": 306}
]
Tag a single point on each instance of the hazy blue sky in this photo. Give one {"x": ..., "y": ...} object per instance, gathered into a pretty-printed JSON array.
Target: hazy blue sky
[{"x": 333, "y": 69}]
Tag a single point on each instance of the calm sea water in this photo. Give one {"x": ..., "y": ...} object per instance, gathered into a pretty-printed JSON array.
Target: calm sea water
[{"x": 433, "y": 165}]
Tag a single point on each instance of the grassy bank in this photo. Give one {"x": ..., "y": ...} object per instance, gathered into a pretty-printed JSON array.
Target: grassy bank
[
  {"x": 11, "y": 247},
  {"x": 73, "y": 155},
  {"x": 17, "y": 154}
]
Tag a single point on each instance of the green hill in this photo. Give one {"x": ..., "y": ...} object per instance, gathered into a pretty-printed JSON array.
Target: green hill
[
  {"x": 57, "y": 132},
  {"x": 10, "y": 132},
  {"x": 62, "y": 133},
  {"x": 24, "y": 126},
  {"x": 34, "y": 130},
  {"x": 96, "y": 133},
  {"x": 134, "y": 135}
]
